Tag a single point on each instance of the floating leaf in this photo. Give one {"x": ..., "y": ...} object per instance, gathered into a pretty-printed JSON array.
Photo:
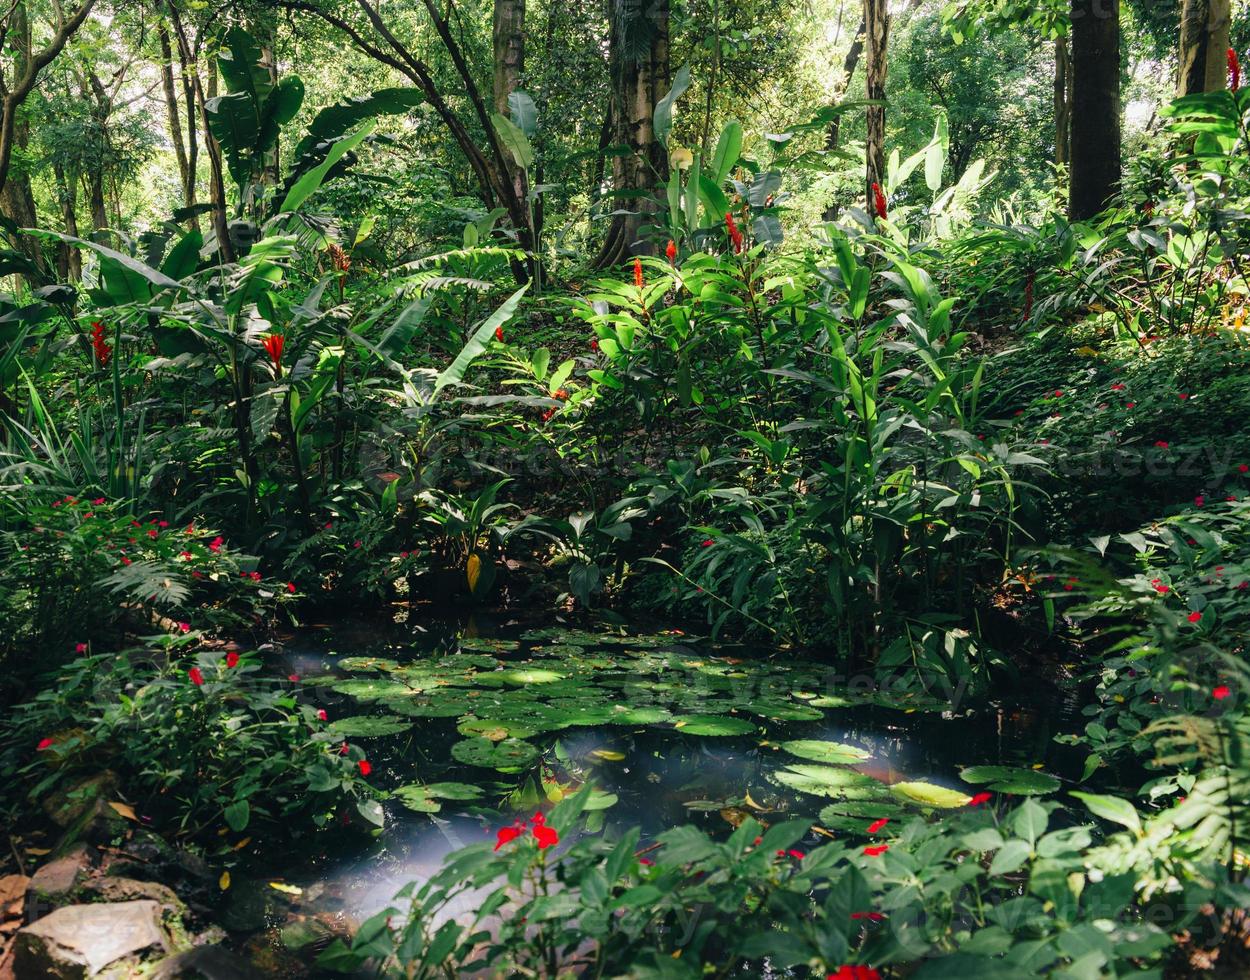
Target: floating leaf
[
  {"x": 713, "y": 725},
  {"x": 373, "y": 690},
  {"x": 830, "y": 753},
  {"x": 511, "y": 753},
  {"x": 369, "y": 726},
  {"x": 829, "y": 781},
  {"x": 367, "y": 663},
  {"x": 286, "y": 889},
  {"x": 1005, "y": 779},
  {"x": 929, "y": 794},
  {"x": 494, "y": 729}
]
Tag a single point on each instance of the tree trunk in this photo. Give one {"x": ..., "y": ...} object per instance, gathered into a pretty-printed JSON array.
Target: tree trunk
[
  {"x": 1095, "y": 106},
  {"x": 17, "y": 199},
  {"x": 509, "y": 46},
  {"x": 69, "y": 258},
  {"x": 1203, "y": 46},
  {"x": 849, "y": 63},
  {"x": 186, "y": 174},
  {"x": 1063, "y": 103},
  {"x": 876, "y": 39},
  {"x": 639, "y": 61}
]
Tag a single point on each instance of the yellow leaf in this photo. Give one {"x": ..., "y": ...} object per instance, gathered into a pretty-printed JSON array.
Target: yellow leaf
[
  {"x": 124, "y": 810},
  {"x": 751, "y": 803},
  {"x": 608, "y": 755},
  {"x": 224, "y": 881},
  {"x": 286, "y": 889},
  {"x": 38, "y": 851},
  {"x": 1087, "y": 351},
  {"x": 243, "y": 843},
  {"x": 472, "y": 570}
]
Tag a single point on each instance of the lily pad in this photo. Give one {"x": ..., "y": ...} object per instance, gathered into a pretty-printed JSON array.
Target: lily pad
[
  {"x": 1006, "y": 779},
  {"x": 784, "y": 711},
  {"x": 369, "y": 726},
  {"x": 931, "y": 795},
  {"x": 830, "y": 753},
  {"x": 494, "y": 729},
  {"x": 367, "y": 663},
  {"x": 425, "y": 799},
  {"x": 486, "y": 644},
  {"x": 641, "y": 715},
  {"x": 713, "y": 725},
  {"x": 511, "y": 753},
  {"x": 373, "y": 690},
  {"x": 452, "y": 707},
  {"x": 831, "y": 781}
]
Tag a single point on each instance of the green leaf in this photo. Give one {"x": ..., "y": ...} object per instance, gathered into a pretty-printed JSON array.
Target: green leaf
[
  {"x": 830, "y": 753},
  {"x": 238, "y": 815},
  {"x": 1112, "y": 808},
  {"x": 514, "y": 139},
  {"x": 1011, "y": 857},
  {"x": 929, "y": 794},
  {"x": 453, "y": 374},
  {"x": 728, "y": 149},
  {"x": 310, "y": 181},
  {"x": 523, "y": 112},
  {"x": 1007, "y": 779},
  {"x": 662, "y": 120}
]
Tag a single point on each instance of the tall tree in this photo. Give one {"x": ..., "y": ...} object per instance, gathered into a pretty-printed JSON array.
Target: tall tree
[
  {"x": 1203, "y": 46},
  {"x": 16, "y": 86},
  {"x": 876, "y": 40},
  {"x": 1063, "y": 102},
  {"x": 638, "y": 57},
  {"x": 1095, "y": 168},
  {"x": 508, "y": 36},
  {"x": 186, "y": 147}
]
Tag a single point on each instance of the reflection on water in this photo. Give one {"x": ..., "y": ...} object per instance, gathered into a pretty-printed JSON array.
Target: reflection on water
[{"x": 660, "y": 775}]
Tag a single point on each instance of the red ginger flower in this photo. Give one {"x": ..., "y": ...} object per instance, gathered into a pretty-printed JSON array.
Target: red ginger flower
[
  {"x": 197, "y": 678},
  {"x": 735, "y": 234},
  {"x": 1234, "y": 71},
  {"x": 878, "y": 200},
  {"x": 102, "y": 350},
  {"x": 274, "y": 342},
  {"x": 670, "y": 251},
  {"x": 638, "y": 272},
  {"x": 499, "y": 334}
]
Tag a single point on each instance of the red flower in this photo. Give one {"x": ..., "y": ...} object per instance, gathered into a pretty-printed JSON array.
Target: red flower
[
  {"x": 1199, "y": 500},
  {"x": 274, "y": 342},
  {"x": 876, "y": 850},
  {"x": 102, "y": 350},
  {"x": 797, "y": 855},
  {"x": 1118, "y": 387},
  {"x": 80, "y": 648},
  {"x": 197, "y": 678},
  {"x": 1160, "y": 587},
  {"x": 1161, "y": 445},
  {"x": 1220, "y": 693},
  {"x": 293, "y": 678},
  {"x": 290, "y": 587},
  {"x": 232, "y": 659},
  {"x": 1234, "y": 71},
  {"x": 321, "y": 715},
  {"x": 545, "y": 836},
  {"x": 870, "y": 916},
  {"x": 1194, "y": 616},
  {"x": 46, "y": 743},
  {"x": 670, "y": 251},
  {"x": 364, "y": 766},
  {"x": 594, "y": 344},
  {"x": 184, "y": 627},
  {"x": 215, "y": 545},
  {"x": 876, "y": 825},
  {"x": 707, "y": 543},
  {"x": 499, "y": 334},
  {"x": 344, "y": 748},
  {"x": 849, "y": 971},
  {"x": 638, "y": 272},
  {"x": 878, "y": 200},
  {"x": 1182, "y": 396},
  {"x": 508, "y": 834},
  {"x": 735, "y": 235}
]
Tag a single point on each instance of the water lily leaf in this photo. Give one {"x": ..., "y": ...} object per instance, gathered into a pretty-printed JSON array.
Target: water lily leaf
[
  {"x": 453, "y": 791},
  {"x": 640, "y": 716},
  {"x": 524, "y": 676},
  {"x": 511, "y": 753},
  {"x": 494, "y": 729},
  {"x": 1006, "y": 779},
  {"x": 830, "y": 781},
  {"x": 929, "y": 794},
  {"x": 369, "y": 726},
  {"x": 830, "y": 753},
  {"x": 713, "y": 725},
  {"x": 373, "y": 690},
  {"x": 784, "y": 711},
  {"x": 487, "y": 644},
  {"x": 450, "y": 707},
  {"x": 367, "y": 663}
]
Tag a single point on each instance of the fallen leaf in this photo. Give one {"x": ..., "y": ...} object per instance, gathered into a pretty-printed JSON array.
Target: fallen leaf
[
  {"x": 243, "y": 843},
  {"x": 224, "y": 881},
  {"x": 286, "y": 889},
  {"x": 125, "y": 810},
  {"x": 608, "y": 755}
]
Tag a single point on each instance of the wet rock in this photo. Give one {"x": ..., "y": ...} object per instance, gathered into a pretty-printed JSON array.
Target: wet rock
[
  {"x": 67, "y": 806},
  {"x": 113, "y": 889},
  {"x": 205, "y": 963},
  {"x": 12, "y": 905},
  {"x": 57, "y": 882},
  {"x": 80, "y": 941}
]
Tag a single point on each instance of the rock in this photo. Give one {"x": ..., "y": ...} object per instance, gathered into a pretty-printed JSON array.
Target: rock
[
  {"x": 12, "y": 905},
  {"x": 114, "y": 889},
  {"x": 66, "y": 807},
  {"x": 205, "y": 963},
  {"x": 79, "y": 941},
  {"x": 56, "y": 883}
]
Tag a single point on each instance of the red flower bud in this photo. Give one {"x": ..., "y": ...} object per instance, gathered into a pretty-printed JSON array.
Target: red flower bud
[{"x": 878, "y": 200}]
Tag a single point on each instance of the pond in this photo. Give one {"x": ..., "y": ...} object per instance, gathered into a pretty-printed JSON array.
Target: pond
[{"x": 467, "y": 726}]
